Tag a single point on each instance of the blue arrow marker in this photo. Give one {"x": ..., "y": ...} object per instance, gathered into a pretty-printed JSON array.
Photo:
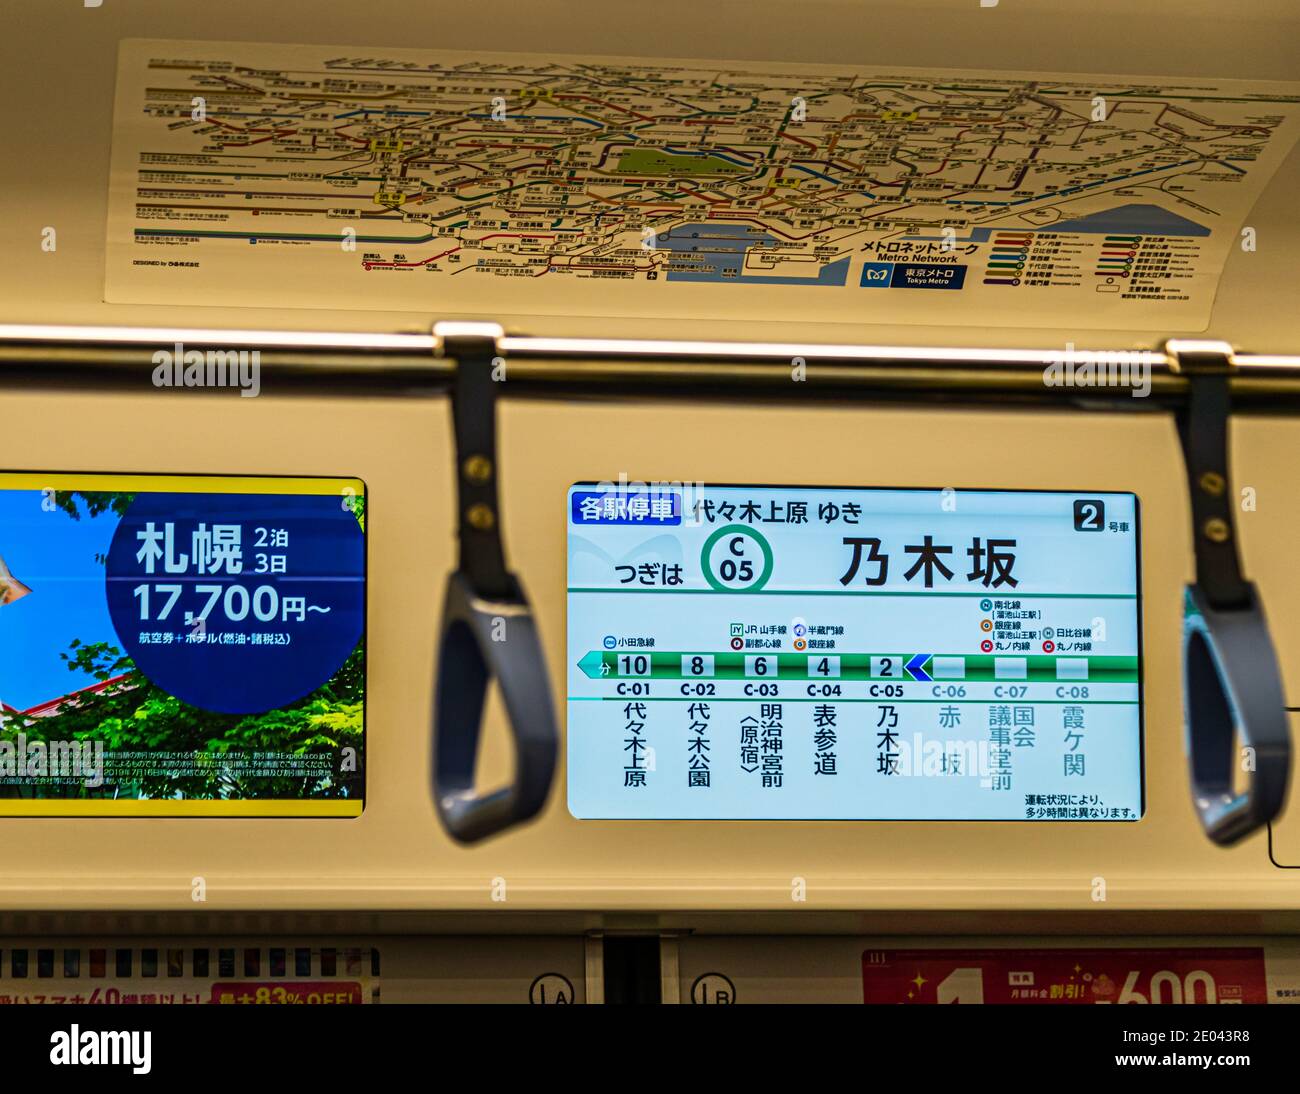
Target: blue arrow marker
[{"x": 914, "y": 667}]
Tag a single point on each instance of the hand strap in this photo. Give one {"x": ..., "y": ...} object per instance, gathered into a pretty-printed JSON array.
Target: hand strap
[
  {"x": 1233, "y": 705},
  {"x": 488, "y": 631}
]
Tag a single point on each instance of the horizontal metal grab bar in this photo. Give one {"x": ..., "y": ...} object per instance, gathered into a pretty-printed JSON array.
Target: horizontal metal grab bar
[{"x": 325, "y": 363}]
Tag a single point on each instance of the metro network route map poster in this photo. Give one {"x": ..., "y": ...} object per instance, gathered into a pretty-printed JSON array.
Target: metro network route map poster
[
  {"x": 266, "y": 175},
  {"x": 181, "y": 645},
  {"x": 828, "y": 653}
]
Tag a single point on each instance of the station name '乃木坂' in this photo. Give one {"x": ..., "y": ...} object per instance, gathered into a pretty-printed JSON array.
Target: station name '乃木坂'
[{"x": 991, "y": 561}]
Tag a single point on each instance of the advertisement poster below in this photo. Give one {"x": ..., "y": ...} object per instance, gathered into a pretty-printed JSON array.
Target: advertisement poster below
[
  {"x": 1229, "y": 975},
  {"x": 179, "y": 971},
  {"x": 1143, "y": 970}
]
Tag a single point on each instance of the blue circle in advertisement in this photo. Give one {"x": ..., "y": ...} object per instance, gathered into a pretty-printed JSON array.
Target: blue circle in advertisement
[{"x": 237, "y": 603}]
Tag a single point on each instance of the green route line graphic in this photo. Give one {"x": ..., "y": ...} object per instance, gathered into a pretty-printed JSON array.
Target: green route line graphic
[{"x": 829, "y": 666}]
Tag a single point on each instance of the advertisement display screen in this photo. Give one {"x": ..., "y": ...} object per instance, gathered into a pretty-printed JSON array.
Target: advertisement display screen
[
  {"x": 181, "y": 645},
  {"x": 828, "y": 653}
]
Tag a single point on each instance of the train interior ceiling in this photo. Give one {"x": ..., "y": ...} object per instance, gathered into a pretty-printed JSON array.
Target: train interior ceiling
[{"x": 574, "y": 502}]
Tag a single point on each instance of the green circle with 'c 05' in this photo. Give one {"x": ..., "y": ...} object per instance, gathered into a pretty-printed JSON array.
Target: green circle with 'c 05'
[{"x": 736, "y": 572}]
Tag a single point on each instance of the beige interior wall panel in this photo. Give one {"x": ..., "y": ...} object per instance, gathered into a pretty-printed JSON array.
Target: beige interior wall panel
[{"x": 396, "y": 856}]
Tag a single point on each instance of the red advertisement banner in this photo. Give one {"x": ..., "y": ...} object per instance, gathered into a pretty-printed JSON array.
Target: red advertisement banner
[{"x": 1065, "y": 976}]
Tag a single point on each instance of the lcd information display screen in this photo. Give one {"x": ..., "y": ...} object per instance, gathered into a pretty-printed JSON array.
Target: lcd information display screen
[
  {"x": 767, "y": 653},
  {"x": 181, "y": 645}
]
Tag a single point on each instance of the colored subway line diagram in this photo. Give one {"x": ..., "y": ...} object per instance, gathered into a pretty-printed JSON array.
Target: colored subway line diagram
[{"x": 545, "y": 169}]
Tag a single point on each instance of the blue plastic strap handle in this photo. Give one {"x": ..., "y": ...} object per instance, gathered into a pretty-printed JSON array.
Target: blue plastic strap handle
[
  {"x": 1233, "y": 706},
  {"x": 1235, "y": 717},
  {"x": 482, "y": 640},
  {"x": 488, "y": 631}
]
